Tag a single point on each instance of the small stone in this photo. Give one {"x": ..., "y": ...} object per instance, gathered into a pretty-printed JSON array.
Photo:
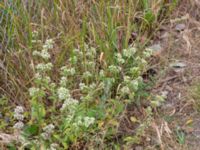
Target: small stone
[
  {"x": 180, "y": 27},
  {"x": 156, "y": 48},
  {"x": 7, "y": 119},
  {"x": 1, "y": 116},
  {"x": 178, "y": 65},
  {"x": 165, "y": 35},
  {"x": 138, "y": 148}
]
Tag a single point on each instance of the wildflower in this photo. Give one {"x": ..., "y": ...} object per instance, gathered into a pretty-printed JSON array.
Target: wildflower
[
  {"x": 88, "y": 121},
  {"x": 69, "y": 118},
  {"x": 19, "y": 109},
  {"x": 63, "y": 81},
  {"x": 54, "y": 146},
  {"x": 44, "y": 54},
  {"x": 125, "y": 90},
  {"x": 92, "y": 86},
  {"x": 91, "y": 64},
  {"x": 87, "y": 75},
  {"x": 119, "y": 58},
  {"x": 49, "y": 128},
  {"x": 83, "y": 87},
  {"x": 91, "y": 52},
  {"x": 45, "y": 135},
  {"x": 35, "y": 34},
  {"x": 67, "y": 71},
  {"x": 127, "y": 79},
  {"x": 129, "y": 52},
  {"x": 134, "y": 85},
  {"x": 148, "y": 52},
  {"x": 48, "y": 44},
  {"x": 63, "y": 93},
  {"x": 33, "y": 91},
  {"x": 101, "y": 73},
  {"x": 19, "y": 117},
  {"x": 69, "y": 102},
  {"x": 44, "y": 67},
  {"x": 47, "y": 79},
  {"x": 114, "y": 69},
  {"x": 19, "y": 125}
]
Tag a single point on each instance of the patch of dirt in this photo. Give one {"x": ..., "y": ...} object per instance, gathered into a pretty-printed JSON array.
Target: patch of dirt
[{"x": 177, "y": 124}]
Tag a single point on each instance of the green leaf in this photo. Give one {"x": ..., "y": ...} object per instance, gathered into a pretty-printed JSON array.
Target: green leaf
[{"x": 31, "y": 130}]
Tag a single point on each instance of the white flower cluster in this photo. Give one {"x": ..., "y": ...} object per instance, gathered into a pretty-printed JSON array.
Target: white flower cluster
[
  {"x": 63, "y": 81},
  {"x": 69, "y": 103},
  {"x": 114, "y": 69},
  {"x": 148, "y": 52},
  {"x": 63, "y": 93},
  {"x": 91, "y": 64},
  {"x": 44, "y": 53},
  {"x": 48, "y": 44},
  {"x": 78, "y": 53},
  {"x": 18, "y": 115},
  {"x": 90, "y": 52},
  {"x": 67, "y": 71},
  {"x": 54, "y": 146},
  {"x": 41, "y": 67},
  {"x": 129, "y": 52},
  {"x": 84, "y": 121},
  {"x": 48, "y": 130},
  {"x": 119, "y": 58},
  {"x": 33, "y": 91},
  {"x": 87, "y": 75}
]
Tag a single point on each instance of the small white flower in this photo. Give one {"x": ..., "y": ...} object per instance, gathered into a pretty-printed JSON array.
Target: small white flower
[
  {"x": 119, "y": 58},
  {"x": 83, "y": 87},
  {"x": 19, "y": 109},
  {"x": 36, "y": 53},
  {"x": 127, "y": 79},
  {"x": 63, "y": 81},
  {"x": 48, "y": 44},
  {"x": 35, "y": 34},
  {"x": 87, "y": 75},
  {"x": 54, "y": 146},
  {"x": 19, "y": 117},
  {"x": 88, "y": 121},
  {"x": 125, "y": 90},
  {"x": 44, "y": 67},
  {"x": 101, "y": 73},
  {"x": 49, "y": 128},
  {"x": 114, "y": 69},
  {"x": 67, "y": 71},
  {"x": 19, "y": 125},
  {"x": 63, "y": 93},
  {"x": 148, "y": 52},
  {"x": 45, "y": 135},
  {"x": 68, "y": 103},
  {"x": 135, "y": 84},
  {"x": 33, "y": 91},
  {"x": 129, "y": 52}
]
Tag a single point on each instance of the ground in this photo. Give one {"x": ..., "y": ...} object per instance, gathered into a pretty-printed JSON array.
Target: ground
[{"x": 177, "y": 123}]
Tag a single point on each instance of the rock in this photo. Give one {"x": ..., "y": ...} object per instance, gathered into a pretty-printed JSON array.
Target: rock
[
  {"x": 178, "y": 65},
  {"x": 180, "y": 27},
  {"x": 138, "y": 148},
  {"x": 164, "y": 36},
  {"x": 156, "y": 48}
]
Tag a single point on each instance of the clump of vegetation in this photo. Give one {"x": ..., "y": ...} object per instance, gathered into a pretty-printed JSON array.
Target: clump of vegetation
[{"x": 71, "y": 69}]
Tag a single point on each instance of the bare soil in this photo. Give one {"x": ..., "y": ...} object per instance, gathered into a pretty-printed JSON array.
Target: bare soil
[{"x": 177, "y": 123}]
